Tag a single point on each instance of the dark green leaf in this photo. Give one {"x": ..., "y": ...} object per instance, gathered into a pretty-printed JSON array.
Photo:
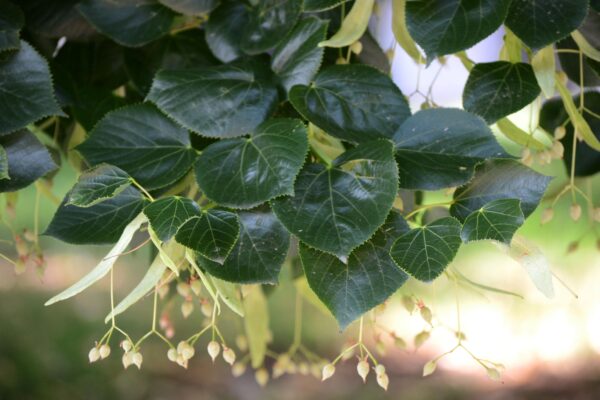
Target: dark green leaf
[
  {"x": 297, "y": 58},
  {"x": 540, "y": 23},
  {"x": 142, "y": 141},
  {"x": 258, "y": 254},
  {"x": 245, "y": 172},
  {"x": 168, "y": 214},
  {"x": 26, "y": 93},
  {"x": 368, "y": 278},
  {"x": 440, "y": 147},
  {"x": 497, "y": 89},
  {"x": 496, "y": 220},
  {"x": 425, "y": 252},
  {"x": 98, "y": 224},
  {"x": 446, "y": 27},
  {"x": 500, "y": 179},
  {"x": 90, "y": 104},
  {"x": 321, "y": 5},
  {"x": 191, "y": 7},
  {"x": 225, "y": 101},
  {"x": 569, "y": 63},
  {"x": 268, "y": 23},
  {"x": 27, "y": 160},
  {"x": 56, "y": 19},
  {"x": 337, "y": 208},
  {"x": 212, "y": 234},
  {"x": 11, "y": 22},
  {"x": 352, "y": 102},
  {"x": 3, "y": 164},
  {"x": 224, "y": 29},
  {"x": 98, "y": 184},
  {"x": 128, "y": 22}
]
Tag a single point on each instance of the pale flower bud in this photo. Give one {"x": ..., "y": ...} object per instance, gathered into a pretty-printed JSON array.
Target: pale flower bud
[
  {"x": 228, "y": 355},
  {"x": 136, "y": 358},
  {"x": 429, "y": 368},
  {"x": 560, "y": 132},
  {"x": 558, "y": 150},
  {"x": 181, "y": 361},
  {"x": 186, "y": 308},
  {"x": 363, "y": 369},
  {"x": 172, "y": 355},
  {"x": 356, "y": 47},
  {"x": 206, "y": 309},
  {"x": 104, "y": 351},
  {"x": 163, "y": 290},
  {"x": 328, "y": 372},
  {"x": 126, "y": 345},
  {"x": 547, "y": 215},
  {"x": 380, "y": 369},
  {"x": 213, "y": 349},
  {"x": 493, "y": 373},
  {"x": 127, "y": 359},
  {"x": 383, "y": 381},
  {"x": 94, "y": 355},
  {"x": 241, "y": 342},
  {"x": 575, "y": 211},
  {"x": 238, "y": 369},
  {"x": 183, "y": 289},
  {"x": 196, "y": 287},
  {"x": 262, "y": 376}
]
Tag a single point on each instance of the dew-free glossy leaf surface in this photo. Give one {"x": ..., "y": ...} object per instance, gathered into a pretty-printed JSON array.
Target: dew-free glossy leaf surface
[
  {"x": 245, "y": 172},
  {"x": 212, "y": 234},
  {"x": 128, "y": 22},
  {"x": 26, "y": 93},
  {"x": 336, "y": 209},
  {"x": 368, "y": 278},
  {"x": 356, "y": 103},
  {"x": 142, "y": 141},
  {"x": 224, "y": 29},
  {"x": 425, "y": 252},
  {"x": 98, "y": 184},
  {"x": 497, "y": 89},
  {"x": 222, "y": 102},
  {"x": 500, "y": 179},
  {"x": 440, "y": 147},
  {"x": 539, "y": 23},
  {"x": 102, "y": 223},
  {"x": 268, "y": 22},
  {"x": 168, "y": 214},
  {"x": 496, "y": 220},
  {"x": 26, "y": 158},
  {"x": 190, "y": 7},
  {"x": 449, "y": 26},
  {"x": 11, "y": 22},
  {"x": 297, "y": 58},
  {"x": 258, "y": 254}
]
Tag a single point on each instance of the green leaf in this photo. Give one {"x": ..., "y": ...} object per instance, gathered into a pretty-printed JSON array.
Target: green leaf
[
  {"x": 585, "y": 46},
  {"x": 544, "y": 67},
  {"x": 496, "y": 220},
  {"x": 190, "y": 7},
  {"x": 105, "y": 265},
  {"x": 500, "y": 179},
  {"x": 222, "y": 102},
  {"x": 297, "y": 58},
  {"x": 245, "y": 172},
  {"x": 368, "y": 278},
  {"x": 258, "y": 254},
  {"x": 497, "y": 89},
  {"x": 353, "y": 26},
  {"x": 446, "y": 27},
  {"x": 230, "y": 294},
  {"x": 401, "y": 31},
  {"x": 337, "y": 208},
  {"x": 168, "y": 214},
  {"x": 3, "y": 164},
  {"x": 90, "y": 104},
  {"x": 268, "y": 23},
  {"x": 98, "y": 184},
  {"x": 256, "y": 324},
  {"x": 354, "y": 102},
  {"x": 11, "y": 22},
  {"x": 321, "y": 5},
  {"x": 425, "y": 252},
  {"x": 102, "y": 223},
  {"x": 56, "y": 19},
  {"x": 129, "y": 23},
  {"x": 224, "y": 29},
  {"x": 27, "y": 160},
  {"x": 212, "y": 234},
  {"x": 539, "y": 24},
  {"x": 142, "y": 141},
  {"x": 440, "y": 147},
  {"x": 26, "y": 93}
]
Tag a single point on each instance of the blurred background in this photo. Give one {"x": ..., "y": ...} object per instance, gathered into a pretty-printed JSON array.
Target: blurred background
[{"x": 550, "y": 347}]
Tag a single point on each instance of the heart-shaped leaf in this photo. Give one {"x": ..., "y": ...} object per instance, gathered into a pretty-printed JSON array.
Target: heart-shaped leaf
[
  {"x": 446, "y": 27},
  {"x": 355, "y": 102},
  {"x": 500, "y": 179},
  {"x": 224, "y": 29},
  {"x": 245, "y": 172},
  {"x": 497, "y": 89},
  {"x": 440, "y": 147},
  {"x": 212, "y": 234},
  {"x": 225, "y": 101},
  {"x": 425, "y": 252},
  {"x": 11, "y": 22},
  {"x": 102, "y": 223},
  {"x": 259, "y": 253},
  {"x": 98, "y": 184},
  {"x": 338, "y": 207},
  {"x": 368, "y": 278},
  {"x": 168, "y": 214},
  {"x": 26, "y": 93},
  {"x": 142, "y": 141},
  {"x": 496, "y": 220}
]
